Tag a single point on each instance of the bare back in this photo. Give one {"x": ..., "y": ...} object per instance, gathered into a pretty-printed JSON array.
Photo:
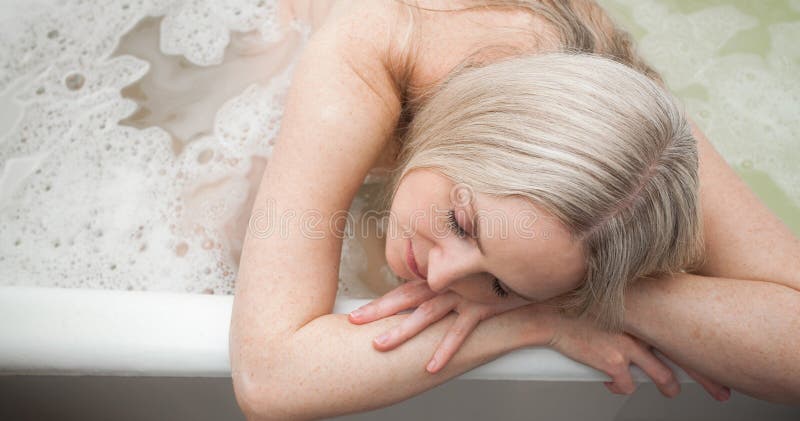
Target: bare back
[{"x": 429, "y": 40}]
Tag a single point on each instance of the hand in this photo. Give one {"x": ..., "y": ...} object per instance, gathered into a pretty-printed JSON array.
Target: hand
[
  {"x": 430, "y": 308},
  {"x": 612, "y": 353}
]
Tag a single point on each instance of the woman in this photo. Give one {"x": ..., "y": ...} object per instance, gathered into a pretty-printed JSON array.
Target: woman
[{"x": 363, "y": 77}]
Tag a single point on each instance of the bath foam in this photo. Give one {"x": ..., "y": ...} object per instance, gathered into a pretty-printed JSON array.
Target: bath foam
[
  {"x": 750, "y": 102},
  {"x": 200, "y": 29},
  {"x": 86, "y": 202}
]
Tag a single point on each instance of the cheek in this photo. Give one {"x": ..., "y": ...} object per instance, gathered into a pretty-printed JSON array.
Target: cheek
[
  {"x": 477, "y": 291},
  {"x": 389, "y": 252},
  {"x": 393, "y": 254},
  {"x": 555, "y": 289}
]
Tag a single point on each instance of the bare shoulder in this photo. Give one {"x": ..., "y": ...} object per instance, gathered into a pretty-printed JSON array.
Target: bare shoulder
[
  {"x": 366, "y": 28},
  {"x": 744, "y": 239},
  {"x": 420, "y": 42},
  {"x": 363, "y": 33}
]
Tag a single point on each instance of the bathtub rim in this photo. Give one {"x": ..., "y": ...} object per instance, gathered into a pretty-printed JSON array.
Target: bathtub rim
[{"x": 61, "y": 331}]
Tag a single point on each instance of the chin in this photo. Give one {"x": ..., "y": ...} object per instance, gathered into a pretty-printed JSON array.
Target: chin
[{"x": 394, "y": 259}]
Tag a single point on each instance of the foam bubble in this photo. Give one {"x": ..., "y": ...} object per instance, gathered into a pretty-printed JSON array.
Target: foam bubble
[
  {"x": 200, "y": 30},
  {"x": 88, "y": 202},
  {"x": 750, "y": 102}
]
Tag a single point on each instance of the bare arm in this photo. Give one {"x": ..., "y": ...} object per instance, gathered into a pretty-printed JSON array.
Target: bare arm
[
  {"x": 330, "y": 368},
  {"x": 744, "y": 240},
  {"x": 739, "y": 323},
  {"x": 743, "y": 334},
  {"x": 291, "y": 358}
]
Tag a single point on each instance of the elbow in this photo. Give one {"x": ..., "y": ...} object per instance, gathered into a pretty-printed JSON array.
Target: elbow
[
  {"x": 245, "y": 390},
  {"x": 262, "y": 371},
  {"x": 791, "y": 398},
  {"x": 786, "y": 389},
  {"x": 256, "y": 377},
  {"x": 265, "y": 393},
  {"x": 245, "y": 379},
  {"x": 259, "y": 400},
  {"x": 779, "y": 395},
  {"x": 245, "y": 396}
]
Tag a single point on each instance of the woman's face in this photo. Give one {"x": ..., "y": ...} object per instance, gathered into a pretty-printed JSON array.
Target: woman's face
[{"x": 461, "y": 240}]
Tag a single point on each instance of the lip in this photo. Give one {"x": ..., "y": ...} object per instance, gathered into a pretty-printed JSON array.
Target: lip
[{"x": 411, "y": 261}]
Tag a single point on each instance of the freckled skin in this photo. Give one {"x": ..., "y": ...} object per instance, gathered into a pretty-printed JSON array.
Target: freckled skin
[
  {"x": 528, "y": 249},
  {"x": 282, "y": 326}
]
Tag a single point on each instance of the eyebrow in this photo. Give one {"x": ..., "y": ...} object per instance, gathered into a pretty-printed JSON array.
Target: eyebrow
[{"x": 475, "y": 231}]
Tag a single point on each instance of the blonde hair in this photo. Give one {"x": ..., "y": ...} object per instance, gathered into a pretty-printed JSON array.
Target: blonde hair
[{"x": 601, "y": 146}]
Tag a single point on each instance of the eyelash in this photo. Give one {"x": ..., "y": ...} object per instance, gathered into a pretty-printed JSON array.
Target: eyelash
[
  {"x": 453, "y": 224},
  {"x": 498, "y": 290}
]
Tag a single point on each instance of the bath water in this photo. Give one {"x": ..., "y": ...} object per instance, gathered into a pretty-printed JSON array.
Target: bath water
[{"x": 133, "y": 133}]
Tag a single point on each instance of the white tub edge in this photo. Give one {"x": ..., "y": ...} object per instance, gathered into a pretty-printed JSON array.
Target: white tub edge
[{"x": 129, "y": 333}]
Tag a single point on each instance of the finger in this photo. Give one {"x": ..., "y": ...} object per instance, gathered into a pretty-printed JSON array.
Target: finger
[
  {"x": 716, "y": 390},
  {"x": 408, "y": 295},
  {"x": 427, "y": 313},
  {"x": 617, "y": 366},
  {"x": 660, "y": 373},
  {"x": 463, "y": 326},
  {"x": 623, "y": 383},
  {"x": 612, "y": 388},
  {"x": 615, "y": 389}
]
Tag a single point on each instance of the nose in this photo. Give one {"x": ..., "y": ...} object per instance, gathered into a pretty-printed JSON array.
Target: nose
[{"x": 451, "y": 264}]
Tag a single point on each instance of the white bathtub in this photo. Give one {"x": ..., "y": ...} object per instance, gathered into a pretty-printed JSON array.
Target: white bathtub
[
  {"x": 100, "y": 354},
  {"x": 153, "y": 355}
]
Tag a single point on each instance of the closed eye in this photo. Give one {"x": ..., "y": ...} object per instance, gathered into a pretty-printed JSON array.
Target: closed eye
[
  {"x": 498, "y": 289},
  {"x": 453, "y": 224}
]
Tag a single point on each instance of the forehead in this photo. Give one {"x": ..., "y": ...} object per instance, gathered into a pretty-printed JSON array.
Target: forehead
[{"x": 525, "y": 244}]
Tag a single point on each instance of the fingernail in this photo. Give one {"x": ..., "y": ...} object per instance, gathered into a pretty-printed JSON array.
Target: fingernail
[
  {"x": 725, "y": 394},
  {"x": 381, "y": 340},
  {"x": 356, "y": 313},
  {"x": 432, "y": 365}
]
